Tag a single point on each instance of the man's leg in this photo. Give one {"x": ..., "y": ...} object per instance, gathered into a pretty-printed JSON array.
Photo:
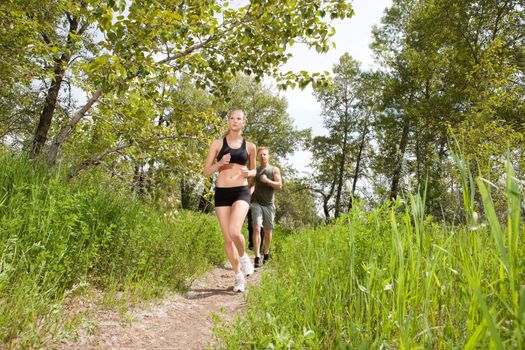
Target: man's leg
[
  {"x": 257, "y": 219},
  {"x": 257, "y": 245},
  {"x": 267, "y": 241},
  {"x": 262, "y": 237},
  {"x": 250, "y": 229},
  {"x": 268, "y": 222}
]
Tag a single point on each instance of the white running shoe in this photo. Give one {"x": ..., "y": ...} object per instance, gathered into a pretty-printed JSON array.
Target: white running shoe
[
  {"x": 246, "y": 265},
  {"x": 239, "y": 283}
]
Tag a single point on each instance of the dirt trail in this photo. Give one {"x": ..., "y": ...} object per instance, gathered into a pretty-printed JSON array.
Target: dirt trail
[{"x": 175, "y": 322}]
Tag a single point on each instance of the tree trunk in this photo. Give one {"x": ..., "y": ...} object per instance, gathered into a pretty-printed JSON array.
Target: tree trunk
[
  {"x": 204, "y": 204},
  {"x": 149, "y": 180},
  {"x": 46, "y": 117},
  {"x": 342, "y": 163},
  {"x": 184, "y": 194},
  {"x": 138, "y": 180},
  {"x": 396, "y": 176},
  {"x": 326, "y": 199},
  {"x": 358, "y": 163},
  {"x": 326, "y": 210},
  {"x": 68, "y": 129}
]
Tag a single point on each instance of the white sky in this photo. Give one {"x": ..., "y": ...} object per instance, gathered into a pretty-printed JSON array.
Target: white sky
[{"x": 352, "y": 35}]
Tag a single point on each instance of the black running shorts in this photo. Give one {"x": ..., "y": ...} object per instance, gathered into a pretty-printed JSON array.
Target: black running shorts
[{"x": 226, "y": 196}]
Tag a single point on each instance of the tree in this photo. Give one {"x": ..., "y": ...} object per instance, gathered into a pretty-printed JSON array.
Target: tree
[
  {"x": 324, "y": 165},
  {"x": 138, "y": 41},
  {"x": 395, "y": 124},
  {"x": 296, "y": 206},
  {"x": 268, "y": 121},
  {"x": 22, "y": 53},
  {"x": 449, "y": 66},
  {"x": 76, "y": 24},
  {"x": 347, "y": 126}
]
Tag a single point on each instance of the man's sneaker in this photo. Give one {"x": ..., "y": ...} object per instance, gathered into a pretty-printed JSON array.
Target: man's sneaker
[
  {"x": 266, "y": 258},
  {"x": 246, "y": 265},
  {"x": 257, "y": 262},
  {"x": 239, "y": 283}
]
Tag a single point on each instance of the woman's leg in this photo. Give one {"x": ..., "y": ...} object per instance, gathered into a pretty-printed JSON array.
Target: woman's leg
[
  {"x": 237, "y": 216},
  {"x": 238, "y": 213},
  {"x": 224, "y": 214}
]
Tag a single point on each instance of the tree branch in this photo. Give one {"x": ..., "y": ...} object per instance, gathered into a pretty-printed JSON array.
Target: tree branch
[
  {"x": 198, "y": 46},
  {"x": 97, "y": 159},
  {"x": 68, "y": 129}
]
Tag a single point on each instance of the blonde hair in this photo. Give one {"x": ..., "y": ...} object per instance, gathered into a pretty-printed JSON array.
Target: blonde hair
[
  {"x": 225, "y": 133},
  {"x": 262, "y": 148}
]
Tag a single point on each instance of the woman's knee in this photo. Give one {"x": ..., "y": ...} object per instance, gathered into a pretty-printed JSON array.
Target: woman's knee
[
  {"x": 235, "y": 232},
  {"x": 227, "y": 238}
]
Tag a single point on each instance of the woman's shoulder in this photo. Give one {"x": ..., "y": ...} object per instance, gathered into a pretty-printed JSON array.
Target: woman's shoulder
[
  {"x": 217, "y": 141},
  {"x": 216, "y": 145},
  {"x": 250, "y": 145}
]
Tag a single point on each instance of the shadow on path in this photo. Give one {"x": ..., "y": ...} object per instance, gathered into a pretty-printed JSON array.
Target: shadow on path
[{"x": 200, "y": 293}]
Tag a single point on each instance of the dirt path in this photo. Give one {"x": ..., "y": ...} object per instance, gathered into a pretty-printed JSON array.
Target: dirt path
[{"x": 175, "y": 322}]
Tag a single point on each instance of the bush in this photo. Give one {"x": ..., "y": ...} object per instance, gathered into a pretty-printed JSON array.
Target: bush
[{"x": 55, "y": 236}]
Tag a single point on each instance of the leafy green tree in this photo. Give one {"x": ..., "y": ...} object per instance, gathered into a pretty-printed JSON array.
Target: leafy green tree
[
  {"x": 120, "y": 47},
  {"x": 23, "y": 59},
  {"x": 347, "y": 123},
  {"x": 368, "y": 96},
  {"x": 449, "y": 66},
  {"x": 395, "y": 125},
  {"x": 323, "y": 179},
  {"x": 296, "y": 206},
  {"x": 269, "y": 124}
]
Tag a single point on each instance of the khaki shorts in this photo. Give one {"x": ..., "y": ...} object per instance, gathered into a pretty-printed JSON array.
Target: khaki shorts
[{"x": 263, "y": 215}]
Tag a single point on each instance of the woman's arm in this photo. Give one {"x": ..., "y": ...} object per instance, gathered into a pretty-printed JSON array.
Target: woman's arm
[
  {"x": 252, "y": 161},
  {"x": 210, "y": 166},
  {"x": 250, "y": 171}
]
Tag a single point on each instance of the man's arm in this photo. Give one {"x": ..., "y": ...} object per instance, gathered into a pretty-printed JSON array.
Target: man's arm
[{"x": 277, "y": 183}]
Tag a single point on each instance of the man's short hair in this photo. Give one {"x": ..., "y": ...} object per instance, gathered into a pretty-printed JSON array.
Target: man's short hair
[{"x": 262, "y": 148}]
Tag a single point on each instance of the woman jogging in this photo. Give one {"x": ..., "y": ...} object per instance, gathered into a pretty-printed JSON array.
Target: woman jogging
[{"x": 234, "y": 158}]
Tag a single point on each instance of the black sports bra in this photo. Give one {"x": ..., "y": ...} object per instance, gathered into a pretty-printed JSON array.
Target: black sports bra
[{"x": 238, "y": 155}]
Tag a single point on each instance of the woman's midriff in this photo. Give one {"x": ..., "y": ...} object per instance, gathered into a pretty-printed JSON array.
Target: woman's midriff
[{"x": 231, "y": 176}]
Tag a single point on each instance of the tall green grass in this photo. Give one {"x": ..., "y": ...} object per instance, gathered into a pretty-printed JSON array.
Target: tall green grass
[
  {"x": 392, "y": 278},
  {"x": 56, "y": 237}
]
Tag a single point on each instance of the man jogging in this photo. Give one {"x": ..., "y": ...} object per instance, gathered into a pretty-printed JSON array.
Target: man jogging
[{"x": 267, "y": 179}]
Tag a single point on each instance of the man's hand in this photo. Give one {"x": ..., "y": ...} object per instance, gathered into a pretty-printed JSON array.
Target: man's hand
[{"x": 263, "y": 178}]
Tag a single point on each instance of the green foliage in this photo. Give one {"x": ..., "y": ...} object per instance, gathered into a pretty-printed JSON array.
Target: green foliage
[
  {"x": 393, "y": 278},
  {"x": 21, "y": 51},
  {"x": 56, "y": 237},
  {"x": 449, "y": 67},
  {"x": 125, "y": 51},
  {"x": 339, "y": 157},
  {"x": 268, "y": 121},
  {"x": 296, "y": 206},
  {"x": 149, "y": 128}
]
